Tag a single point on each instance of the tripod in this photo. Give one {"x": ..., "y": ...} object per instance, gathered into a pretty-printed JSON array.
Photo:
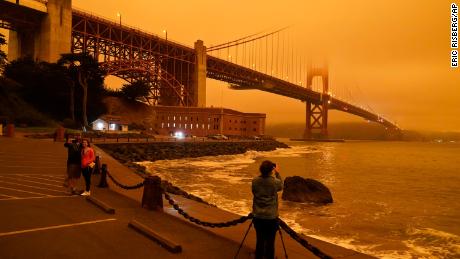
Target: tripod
[
  {"x": 246, "y": 234},
  {"x": 242, "y": 241}
]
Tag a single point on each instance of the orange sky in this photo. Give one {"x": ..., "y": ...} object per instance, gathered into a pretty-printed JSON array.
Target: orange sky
[{"x": 393, "y": 55}]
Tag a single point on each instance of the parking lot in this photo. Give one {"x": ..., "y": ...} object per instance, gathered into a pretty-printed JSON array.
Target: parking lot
[{"x": 40, "y": 219}]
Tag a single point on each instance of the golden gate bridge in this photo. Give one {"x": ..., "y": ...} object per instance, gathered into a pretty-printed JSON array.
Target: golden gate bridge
[{"x": 175, "y": 72}]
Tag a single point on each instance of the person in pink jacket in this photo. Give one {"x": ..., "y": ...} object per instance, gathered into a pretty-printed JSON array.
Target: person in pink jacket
[{"x": 87, "y": 164}]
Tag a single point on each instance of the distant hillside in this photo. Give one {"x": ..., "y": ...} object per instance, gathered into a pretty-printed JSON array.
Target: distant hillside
[
  {"x": 360, "y": 131},
  {"x": 14, "y": 109},
  {"x": 352, "y": 130},
  {"x": 139, "y": 115}
]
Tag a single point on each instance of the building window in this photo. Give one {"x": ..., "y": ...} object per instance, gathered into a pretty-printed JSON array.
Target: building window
[
  {"x": 197, "y": 126},
  {"x": 185, "y": 118},
  {"x": 230, "y": 120},
  {"x": 209, "y": 126},
  {"x": 174, "y": 125},
  {"x": 185, "y": 126},
  {"x": 162, "y": 125},
  {"x": 168, "y": 125},
  {"x": 202, "y": 126},
  {"x": 191, "y": 126},
  {"x": 174, "y": 118}
]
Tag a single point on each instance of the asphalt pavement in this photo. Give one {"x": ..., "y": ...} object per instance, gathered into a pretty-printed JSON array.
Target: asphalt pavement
[{"x": 40, "y": 219}]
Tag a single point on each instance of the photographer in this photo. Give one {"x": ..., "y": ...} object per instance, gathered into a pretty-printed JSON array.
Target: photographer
[{"x": 265, "y": 188}]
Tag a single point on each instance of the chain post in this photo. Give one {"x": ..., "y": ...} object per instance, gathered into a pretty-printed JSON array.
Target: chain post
[
  {"x": 103, "y": 178},
  {"x": 152, "y": 198}
]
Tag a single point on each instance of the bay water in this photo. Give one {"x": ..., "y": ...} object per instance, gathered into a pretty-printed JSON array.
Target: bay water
[{"x": 391, "y": 199}]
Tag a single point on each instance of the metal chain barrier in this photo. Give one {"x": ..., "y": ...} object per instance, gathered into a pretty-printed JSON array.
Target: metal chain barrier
[
  {"x": 139, "y": 185},
  {"x": 302, "y": 241},
  {"x": 230, "y": 223},
  {"x": 204, "y": 223}
]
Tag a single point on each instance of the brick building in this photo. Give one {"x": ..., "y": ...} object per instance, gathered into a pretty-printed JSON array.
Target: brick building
[{"x": 207, "y": 121}]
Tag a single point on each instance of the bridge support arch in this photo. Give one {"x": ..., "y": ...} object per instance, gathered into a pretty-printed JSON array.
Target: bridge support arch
[{"x": 317, "y": 113}]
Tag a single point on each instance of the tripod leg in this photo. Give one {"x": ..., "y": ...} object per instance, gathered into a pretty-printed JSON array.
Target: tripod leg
[
  {"x": 282, "y": 241},
  {"x": 242, "y": 242}
]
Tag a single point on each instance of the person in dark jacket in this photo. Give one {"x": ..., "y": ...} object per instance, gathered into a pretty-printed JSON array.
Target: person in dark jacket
[
  {"x": 265, "y": 188},
  {"x": 73, "y": 162}
]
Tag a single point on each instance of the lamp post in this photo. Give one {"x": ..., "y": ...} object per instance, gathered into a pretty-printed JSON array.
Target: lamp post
[
  {"x": 119, "y": 16},
  {"x": 166, "y": 37}
]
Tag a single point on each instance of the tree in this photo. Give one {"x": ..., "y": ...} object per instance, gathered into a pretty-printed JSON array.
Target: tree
[
  {"x": 3, "y": 58},
  {"x": 41, "y": 84},
  {"x": 85, "y": 69},
  {"x": 136, "y": 91}
]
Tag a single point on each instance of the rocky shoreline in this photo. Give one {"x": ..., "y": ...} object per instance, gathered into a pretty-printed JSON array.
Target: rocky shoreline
[
  {"x": 138, "y": 152},
  {"x": 130, "y": 153}
]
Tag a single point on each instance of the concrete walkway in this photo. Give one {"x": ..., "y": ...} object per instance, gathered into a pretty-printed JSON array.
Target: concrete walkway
[
  {"x": 212, "y": 214},
  {"x": 39, "y": 219}
]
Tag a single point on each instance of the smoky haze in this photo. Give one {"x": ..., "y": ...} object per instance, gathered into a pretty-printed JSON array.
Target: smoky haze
[{"x": 391, "y": 55}]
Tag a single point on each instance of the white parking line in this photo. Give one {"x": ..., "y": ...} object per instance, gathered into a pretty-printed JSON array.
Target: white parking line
[
  {"x": 35, "y": 187},
  {"x": 49, "y": 180},
  {"x": 30, "y": 161},
  {"x": 53, "y": 176},
  {"x": 11, "y": 189},
  {"x": 23, "y": 180},
  {"x": 55, "y": 227},
  {"x": 26, "y": 166},
  {"x": 9, "y": 196},
  {"x": 41, "y": 197}
]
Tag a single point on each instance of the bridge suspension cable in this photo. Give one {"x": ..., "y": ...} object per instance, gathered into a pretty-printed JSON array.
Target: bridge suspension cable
[{"x": 236, "y": 42}]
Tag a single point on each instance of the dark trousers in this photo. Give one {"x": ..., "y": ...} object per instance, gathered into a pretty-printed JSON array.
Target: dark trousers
[
  {"x": 87, "y": 175},
  {"x": 266, "y": 233}
]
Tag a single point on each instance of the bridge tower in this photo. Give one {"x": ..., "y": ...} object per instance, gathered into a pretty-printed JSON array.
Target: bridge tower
[
  {"x": 199, "y": 76},
  {"x": 317, "y": 113},
  {"x": 48, "y": 39}
]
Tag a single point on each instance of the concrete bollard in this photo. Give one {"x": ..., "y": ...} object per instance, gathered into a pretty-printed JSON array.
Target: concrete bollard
[
  {"x": 60, "y": 134},
  {"x": 103, "y": 179},
  {"x": 152, "y": 198},
  {"x": 97, "y": 167},
  {"x": 1, "y": 129},
  {"x": 10, "y": 130}
]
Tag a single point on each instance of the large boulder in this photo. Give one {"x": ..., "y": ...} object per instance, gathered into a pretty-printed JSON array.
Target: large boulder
[{"x": 299, "y": 189}]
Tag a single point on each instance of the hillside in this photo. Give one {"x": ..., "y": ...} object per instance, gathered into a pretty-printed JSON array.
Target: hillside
[
  {"x": 14, "y": 109},
  {"x": 360, "y": 131}
]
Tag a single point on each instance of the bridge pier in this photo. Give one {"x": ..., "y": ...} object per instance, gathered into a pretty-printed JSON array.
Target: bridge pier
[
  {"x": 199, "y": 76},
  {"x": 48, "y": 40},
  {"x": 317, "y": 113}
]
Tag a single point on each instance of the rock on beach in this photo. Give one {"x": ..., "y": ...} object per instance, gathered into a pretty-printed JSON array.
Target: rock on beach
[{"x": 298, "y": 189}]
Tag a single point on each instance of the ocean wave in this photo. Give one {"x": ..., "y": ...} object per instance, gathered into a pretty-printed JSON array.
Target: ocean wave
[
  {"x": 433, "y": 243},
  {"x": 236, "y": 162}
]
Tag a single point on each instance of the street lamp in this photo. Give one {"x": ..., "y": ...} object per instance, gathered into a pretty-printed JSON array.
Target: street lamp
[
  {"x": 166, "y": 33},
  {"x": 119, "y": 16}
]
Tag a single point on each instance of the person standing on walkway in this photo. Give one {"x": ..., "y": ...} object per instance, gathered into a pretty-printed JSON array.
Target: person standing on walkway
[
  {"x": 87, "y": 164},
  {"x": 73, "y": 162},
  {"x": 265, "y": 188}
]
